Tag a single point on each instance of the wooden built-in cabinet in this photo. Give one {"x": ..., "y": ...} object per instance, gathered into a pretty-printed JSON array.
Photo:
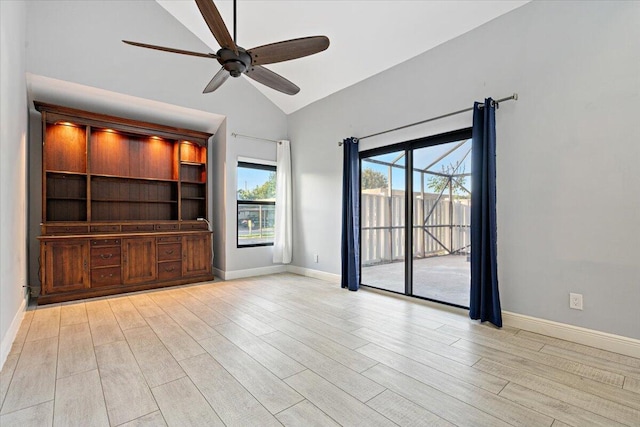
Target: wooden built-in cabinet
[{"x": 123, "y": 205}]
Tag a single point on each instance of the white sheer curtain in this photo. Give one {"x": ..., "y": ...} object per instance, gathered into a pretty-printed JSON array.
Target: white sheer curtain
[{"x": 283, "y": 239}]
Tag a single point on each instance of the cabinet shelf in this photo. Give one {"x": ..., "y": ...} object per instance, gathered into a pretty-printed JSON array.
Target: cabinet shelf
[
  {"x": 131, "y": 201},
  {"x": 74, "y": 199},
  {"x": 193, "y": 198},
  {"x": 61, "y": 172},
  {"x": 131, "y": 178},
  {"x": 187, "y": 163}
]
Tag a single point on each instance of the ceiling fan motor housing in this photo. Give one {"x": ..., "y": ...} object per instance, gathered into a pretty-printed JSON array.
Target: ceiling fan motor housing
[{"x": 234, "y": 64}]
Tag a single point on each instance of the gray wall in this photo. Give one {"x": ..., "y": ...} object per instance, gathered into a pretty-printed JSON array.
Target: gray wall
[
  {"x": 13, "y": 179},
  {"x": 80, "y": 42},
  {"x": 568, "y": 152}
]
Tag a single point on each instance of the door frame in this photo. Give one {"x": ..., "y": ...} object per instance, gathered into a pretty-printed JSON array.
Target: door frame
[{"x": 408, "y": 147}]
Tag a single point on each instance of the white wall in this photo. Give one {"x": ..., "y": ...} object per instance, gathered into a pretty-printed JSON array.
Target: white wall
[
  {"x": 13, "y": 179},
  {"x": 568, "y": 152},
  {"x": 81, "y": 42}
]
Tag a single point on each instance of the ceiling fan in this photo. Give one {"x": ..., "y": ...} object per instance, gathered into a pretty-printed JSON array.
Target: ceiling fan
[{"x": 236, "y": 60}]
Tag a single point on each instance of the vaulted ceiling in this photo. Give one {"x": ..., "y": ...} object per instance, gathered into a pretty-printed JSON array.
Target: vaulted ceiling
[{"x": 367, "y": 37}]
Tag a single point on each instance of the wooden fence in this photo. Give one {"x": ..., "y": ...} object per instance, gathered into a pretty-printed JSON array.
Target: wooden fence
[{"x": 445, "y": 231}]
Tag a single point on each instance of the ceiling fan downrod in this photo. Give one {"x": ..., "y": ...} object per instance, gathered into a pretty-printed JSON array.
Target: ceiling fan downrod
[{"x": 235, "y": 34}]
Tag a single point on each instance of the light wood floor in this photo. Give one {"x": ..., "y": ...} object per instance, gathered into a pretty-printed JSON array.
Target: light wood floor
[{"x": 285, "y": 349}]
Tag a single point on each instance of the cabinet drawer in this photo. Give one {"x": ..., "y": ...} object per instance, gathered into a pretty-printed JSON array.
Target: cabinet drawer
[
  {"x": 169, "y": 251},
  {"x": 169, "y": 270},
  {"x": 66, "y": 229},
  {"x": 166, "y": 227},
  {"x": 169, "y": 239},
  {"x": 105, "y": 277},
  {"x": 137, "y": 227},
  {"x": 105, "y": 256},
  {"x": 105, "y": 242},
  {"x": 104, "y": 228},
  {"x": 201, "y": 225}
]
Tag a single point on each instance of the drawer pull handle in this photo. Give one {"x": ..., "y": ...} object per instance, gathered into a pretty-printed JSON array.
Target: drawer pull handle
[
  {"x": 102, "y": 276},
  {"x": 168, "y": 252},
  {"x": 103, "y": 256},
  {"x": 169, "y": 269}
]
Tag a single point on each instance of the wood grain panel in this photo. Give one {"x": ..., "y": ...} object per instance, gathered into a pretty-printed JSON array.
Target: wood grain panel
[
  {"x": 190, "y": 152},
  {"x": 109, "y": 153},
  {"x": 139, "y": 260},
  {"x": 196, "y": 254},
  {"x": 66, "y": 264},
  {"x": 150, "y": 157},
  {"x": 65, "y": 148}
]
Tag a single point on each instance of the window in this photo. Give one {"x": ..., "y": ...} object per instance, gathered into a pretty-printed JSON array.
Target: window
[{"x": 256, "y": 195}]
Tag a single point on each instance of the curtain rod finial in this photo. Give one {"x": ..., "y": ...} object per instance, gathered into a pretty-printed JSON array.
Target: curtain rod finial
[{"x": 515, "y": 96}]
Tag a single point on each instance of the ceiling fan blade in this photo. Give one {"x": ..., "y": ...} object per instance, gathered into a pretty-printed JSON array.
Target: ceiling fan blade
[
  {"x": 289, "y": 49},
  {"x": 217, "y": 26},
  {"x": 217, "y": 80},
  {"x": 169, "y": 49},
  {"x": 271, "y": 79}
]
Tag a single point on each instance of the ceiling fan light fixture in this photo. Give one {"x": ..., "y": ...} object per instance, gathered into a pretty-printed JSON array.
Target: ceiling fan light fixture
[
  {"x": 235, "y": 64},
  {"x": 235, "y": 68}
]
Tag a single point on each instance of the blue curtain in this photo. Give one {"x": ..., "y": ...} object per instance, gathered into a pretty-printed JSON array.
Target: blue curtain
[
  {"x": 485, "y": 298},
  {"x": 350, "y": 216}
]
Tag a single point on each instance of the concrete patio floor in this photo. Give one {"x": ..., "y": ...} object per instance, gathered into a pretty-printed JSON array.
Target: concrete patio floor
[{"x": 441, "y": 278}]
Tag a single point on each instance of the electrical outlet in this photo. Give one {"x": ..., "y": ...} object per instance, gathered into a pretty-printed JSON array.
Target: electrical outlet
[
  {"x": 575, "y": 301},
  {"x": 315, "y": 257}
]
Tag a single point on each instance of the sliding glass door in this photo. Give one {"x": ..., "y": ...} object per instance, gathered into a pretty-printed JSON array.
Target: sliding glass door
[
  {"x": 441, "y": 222},
  {"x": 437, "y": 230},
  {"x": 383, "y": 183}
]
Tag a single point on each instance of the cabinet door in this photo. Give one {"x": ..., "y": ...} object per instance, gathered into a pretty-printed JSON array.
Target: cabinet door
[
  {"x": 196, "y": 255},
  {"x": 139, "y": 260},
  {"x": 66, "y": 266}
]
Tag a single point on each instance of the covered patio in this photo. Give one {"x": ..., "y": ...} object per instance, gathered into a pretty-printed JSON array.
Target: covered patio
[{"x": 442, "y": 278}]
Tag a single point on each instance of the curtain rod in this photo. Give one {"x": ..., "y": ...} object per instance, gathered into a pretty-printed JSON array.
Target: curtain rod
[
  {"x": 235, "y": 135},
  {"x": 508, "y": 98}
]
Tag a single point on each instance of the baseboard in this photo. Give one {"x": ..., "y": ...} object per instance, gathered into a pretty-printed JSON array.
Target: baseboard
[
  {"x": 577, "y": 334},
  {"x": 7, "y": 340},
  {"x": 218, "y": 273},
  {"x": 316, "y": 274},
  {"x": 250, "y": 272}
]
